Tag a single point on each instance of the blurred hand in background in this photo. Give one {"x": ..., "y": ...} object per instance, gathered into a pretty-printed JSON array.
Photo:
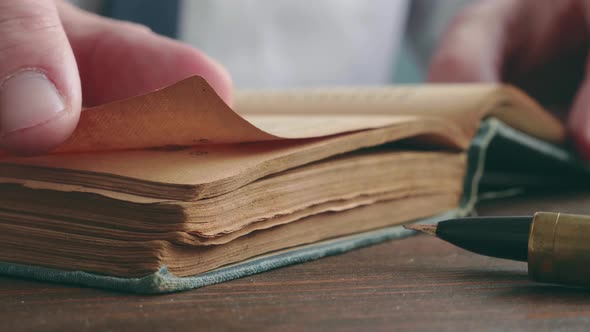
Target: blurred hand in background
[
  {"x": 52, "y": 54},
  {"x": 540, "y": 46}
]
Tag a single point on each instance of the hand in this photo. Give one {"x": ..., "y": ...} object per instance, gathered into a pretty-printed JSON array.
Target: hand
[
  {"x": 540, "y": 46},
  {"x": 53, "y": 56}
]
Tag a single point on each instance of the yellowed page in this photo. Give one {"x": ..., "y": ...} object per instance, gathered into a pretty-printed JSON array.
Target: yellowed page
[
  {"x": 190, "y": 113},
  {"x": 286, "y": 113}
]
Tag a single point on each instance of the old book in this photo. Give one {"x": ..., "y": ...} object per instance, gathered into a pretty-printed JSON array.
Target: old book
[{"x": 174, "y": 189}]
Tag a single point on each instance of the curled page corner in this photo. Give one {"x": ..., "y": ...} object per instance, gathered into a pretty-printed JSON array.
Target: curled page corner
[{"x": 186, "y": 113}]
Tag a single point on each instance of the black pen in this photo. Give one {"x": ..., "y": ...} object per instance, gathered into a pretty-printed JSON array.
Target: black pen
[{"x": 555, "y": 245}]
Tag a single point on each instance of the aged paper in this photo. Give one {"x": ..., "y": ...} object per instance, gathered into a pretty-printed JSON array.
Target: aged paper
[{"x": 190, "y": 113}]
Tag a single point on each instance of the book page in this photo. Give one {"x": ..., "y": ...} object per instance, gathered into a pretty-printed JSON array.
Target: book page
[
  {"x": 189, "y": 113},
  {"x": 286, "y": 113}
]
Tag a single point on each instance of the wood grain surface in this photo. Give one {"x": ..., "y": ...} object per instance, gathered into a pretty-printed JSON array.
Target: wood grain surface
[{"x": 418, "y": 284}]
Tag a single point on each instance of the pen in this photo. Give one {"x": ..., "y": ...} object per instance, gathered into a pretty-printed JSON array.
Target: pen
[{"x": 555, "y": 245}]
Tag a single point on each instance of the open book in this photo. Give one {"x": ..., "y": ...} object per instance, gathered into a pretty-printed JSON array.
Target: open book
[{"x": 174, "y": 190}]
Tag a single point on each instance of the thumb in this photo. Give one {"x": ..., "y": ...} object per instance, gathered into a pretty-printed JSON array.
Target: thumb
[{"x": 40, "y": 94}]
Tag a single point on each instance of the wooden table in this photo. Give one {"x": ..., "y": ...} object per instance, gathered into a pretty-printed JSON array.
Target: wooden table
[{"x": 419, "y": 283}]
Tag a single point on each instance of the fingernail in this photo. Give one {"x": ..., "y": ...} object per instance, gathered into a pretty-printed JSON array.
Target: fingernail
[{"x": 27, "y": 99}]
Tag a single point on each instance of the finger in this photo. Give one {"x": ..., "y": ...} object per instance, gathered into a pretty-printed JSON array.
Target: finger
[
  {"x": 39, "y": 85},
  {"x": 472, "y": 48},
  {"x": 118, "y": 60},
  {"x": 579, "y": 120},
  {"x": 579, "y": 117}
]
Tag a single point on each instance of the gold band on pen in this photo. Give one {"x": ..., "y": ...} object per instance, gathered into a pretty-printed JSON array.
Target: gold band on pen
[{"x": 559, "y": 249}]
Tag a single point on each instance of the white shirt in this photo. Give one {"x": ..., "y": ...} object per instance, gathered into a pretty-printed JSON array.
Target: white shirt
[{"x": 294, "y": 43}]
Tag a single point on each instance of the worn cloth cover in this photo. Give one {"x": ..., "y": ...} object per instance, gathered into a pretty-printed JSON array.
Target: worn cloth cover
[{"x": 494, "y": 142}]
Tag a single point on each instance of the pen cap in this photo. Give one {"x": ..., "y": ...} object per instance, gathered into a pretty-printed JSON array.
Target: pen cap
[{"x": 559, "y": 249}]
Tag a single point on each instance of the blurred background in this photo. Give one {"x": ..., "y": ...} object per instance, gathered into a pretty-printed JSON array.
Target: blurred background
[{"x": 292, "y": 43}]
